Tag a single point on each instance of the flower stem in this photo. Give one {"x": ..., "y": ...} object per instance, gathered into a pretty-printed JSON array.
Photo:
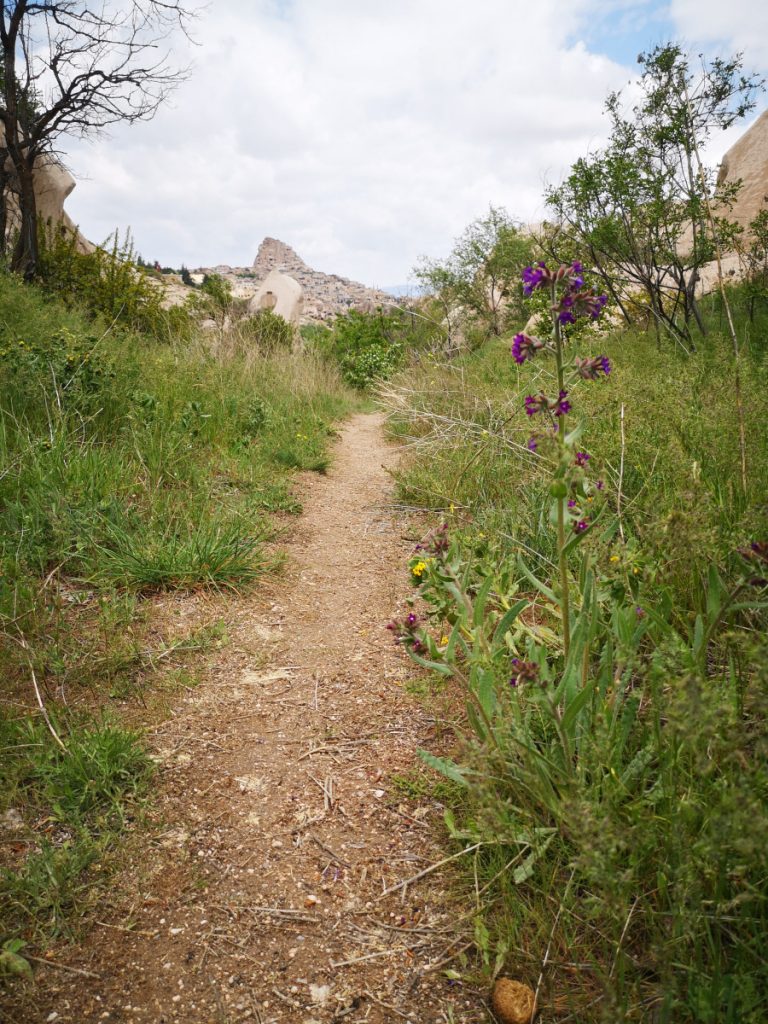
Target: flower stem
[{"x": 562, "y": 557}]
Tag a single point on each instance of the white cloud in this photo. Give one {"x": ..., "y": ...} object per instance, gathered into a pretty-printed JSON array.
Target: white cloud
[{"x": 363, "y": 134}]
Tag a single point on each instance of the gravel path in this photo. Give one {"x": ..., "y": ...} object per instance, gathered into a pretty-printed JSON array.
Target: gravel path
[{"x": 272, "y": 893}]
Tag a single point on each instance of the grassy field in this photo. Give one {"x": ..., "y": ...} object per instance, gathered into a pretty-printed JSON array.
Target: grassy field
[
  {"x": 130, "y": 464},
  {"x": 617, "y": 789}
]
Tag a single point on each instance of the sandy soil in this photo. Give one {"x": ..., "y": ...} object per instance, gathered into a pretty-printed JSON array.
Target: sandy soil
[{"x": 272, "y": 894}]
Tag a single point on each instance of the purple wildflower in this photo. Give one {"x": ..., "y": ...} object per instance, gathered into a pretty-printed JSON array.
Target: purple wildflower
[
  {"x": 534, "y": 277},
  {"x": 599, "y": 485},
  {"x": 581, "y": 526},
  {"x": 582, "y": 458},
  {"x": 524, "y": 347},
  {"x": 533, "y": 444},
  {"x": 562, "y": 406},
  {"x": 590, "y": 369},
  {"x": 639, "y": 612},
  {"x": 535, "y": 404},
  {"x": 523, "y": 672},
  {"x": 571, "y": 503}
]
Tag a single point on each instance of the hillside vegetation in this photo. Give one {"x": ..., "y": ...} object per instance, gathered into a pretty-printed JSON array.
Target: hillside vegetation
[
  {"x": 612, "y": 790},
  {"x": 132, "y": 462}
]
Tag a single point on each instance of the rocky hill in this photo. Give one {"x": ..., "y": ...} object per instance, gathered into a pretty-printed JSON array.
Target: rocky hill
[{"x": 325, "y": 295}]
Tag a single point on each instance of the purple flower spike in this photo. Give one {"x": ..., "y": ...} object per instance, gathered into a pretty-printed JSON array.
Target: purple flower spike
[
  {"x": 523, "y": 672},
  {"x": 524, "y": 347},
  {"x": 534, "y": 277},
  {"x": 563, "y": 406}
]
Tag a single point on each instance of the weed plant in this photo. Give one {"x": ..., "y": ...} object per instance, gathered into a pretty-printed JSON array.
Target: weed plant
[{"x": 598, "y": 590}]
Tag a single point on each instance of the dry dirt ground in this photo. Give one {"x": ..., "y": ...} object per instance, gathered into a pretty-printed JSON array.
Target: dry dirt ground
[{"x": 273, "y": 892}]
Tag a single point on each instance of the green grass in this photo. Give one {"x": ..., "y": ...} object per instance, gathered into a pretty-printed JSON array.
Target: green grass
[
  {"x": 621, "y": 800},
  {"x": 75, "y": 805},
  {"x": 130, "y": 464}
]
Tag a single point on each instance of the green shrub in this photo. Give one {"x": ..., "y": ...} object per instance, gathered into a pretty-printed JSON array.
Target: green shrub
[
  {"x": 369, "y": 346},
  {"x": 267, "y": 331},
  {"x": 108, "y": 282}
]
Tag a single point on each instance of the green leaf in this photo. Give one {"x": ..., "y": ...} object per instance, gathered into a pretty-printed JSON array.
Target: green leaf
[
  {"x": 576, "y": 706},
  {"x": 524, "y": 871},
  {"x": 481, "y": 601},
  {"x": 12, "y": 963},
  {"x": 445, "y": 766},
  {"x": 507, "y": 619},
  {"x": 434, "y": 666},
  {"x": 486, "y": 692},
  {"x": 542, "y": 587}
]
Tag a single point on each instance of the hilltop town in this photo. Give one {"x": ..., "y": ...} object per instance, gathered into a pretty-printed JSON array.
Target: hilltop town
[{"x": 324, "y": 295}]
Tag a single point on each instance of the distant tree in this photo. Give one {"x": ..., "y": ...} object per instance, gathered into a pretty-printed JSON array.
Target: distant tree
[
  {"x": 482, "y": 272},
  {"x": 639, "y": 207},
  {"x": 186, "y": 277},
  {"x": 70, "y": 68}
]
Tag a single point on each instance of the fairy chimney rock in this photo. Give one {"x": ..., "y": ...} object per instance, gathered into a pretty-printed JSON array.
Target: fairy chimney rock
[{"x": 279, "y": 294}]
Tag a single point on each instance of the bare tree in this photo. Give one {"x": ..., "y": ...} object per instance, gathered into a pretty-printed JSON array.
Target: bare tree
[{"x": 75, "y": 68}]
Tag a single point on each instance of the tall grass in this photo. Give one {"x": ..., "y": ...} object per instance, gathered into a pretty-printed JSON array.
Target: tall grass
[
  {"x": 617, "y": 793},
  {"x": 129, "y": 464}
]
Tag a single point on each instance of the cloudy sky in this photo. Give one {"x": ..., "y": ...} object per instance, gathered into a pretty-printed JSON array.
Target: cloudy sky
[{"x": 367, "y": 133}]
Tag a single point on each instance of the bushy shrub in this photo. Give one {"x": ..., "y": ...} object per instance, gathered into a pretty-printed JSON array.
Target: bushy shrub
[
  {"x": 267, "y": 331},
  {"x": 369, "y": 346},
  {"x": 108, "y": 282}
]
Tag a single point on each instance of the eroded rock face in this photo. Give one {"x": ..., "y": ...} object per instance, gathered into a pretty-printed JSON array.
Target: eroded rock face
[
  {"x": 747, "y": 160},
  {"x": 53, "y": 183},
  {"x": 324, "y": 295},
  {"x": 281, "y": 294}
]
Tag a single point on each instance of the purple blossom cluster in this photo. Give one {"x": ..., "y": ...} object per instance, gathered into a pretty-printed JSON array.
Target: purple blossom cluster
[
  {"x": 436, "y": 544},
  {"x": 525, "y": 347},
  {"x": 576, "y": 300},
  {"x": 405, "y": 631},
  {"x": 523, "y": 672},
  {"x": 590, "y": 369},
  {"x": 540, "y": 403}
]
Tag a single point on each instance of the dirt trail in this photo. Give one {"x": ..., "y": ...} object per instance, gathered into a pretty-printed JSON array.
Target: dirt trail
[{"x": 262, "y": 900}]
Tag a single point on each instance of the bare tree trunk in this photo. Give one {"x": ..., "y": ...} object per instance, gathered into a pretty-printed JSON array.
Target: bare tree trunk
[{"x": 25, "y": 255}]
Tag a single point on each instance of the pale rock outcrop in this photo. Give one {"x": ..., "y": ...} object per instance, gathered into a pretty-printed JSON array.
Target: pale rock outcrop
[
  {"x": 280, "y": 294},
  {"x": 53, "y": 183},
  {"x": 747, "y": 161}
]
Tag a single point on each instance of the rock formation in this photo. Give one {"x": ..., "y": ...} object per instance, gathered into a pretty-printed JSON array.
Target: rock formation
[
  {"x": 53, "y": 183},
  {"x": 281, "y": 294},
  {"x": 325, "y": 295},
  {"x": 747, "y": 161}
]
